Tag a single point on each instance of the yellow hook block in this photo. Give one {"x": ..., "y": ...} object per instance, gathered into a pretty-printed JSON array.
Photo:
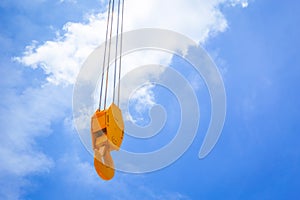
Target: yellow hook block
[{"x": 107, "y": 131}]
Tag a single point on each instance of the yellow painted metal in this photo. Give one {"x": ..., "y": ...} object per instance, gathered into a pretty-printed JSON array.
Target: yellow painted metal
[{"x": 107, "y": 131}]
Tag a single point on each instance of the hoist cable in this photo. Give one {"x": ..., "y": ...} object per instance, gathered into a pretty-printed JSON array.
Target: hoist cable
[
  {"x": 116, "y": 51},
  {"x": 121, "y": 45},
  {"x": 107, "y": 54},
  {"x": 102, "y": 78},
  {"x": 109, "y": 47}
]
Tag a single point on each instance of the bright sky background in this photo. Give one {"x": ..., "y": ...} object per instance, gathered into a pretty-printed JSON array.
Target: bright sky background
[{"x": 254, "y": 43}]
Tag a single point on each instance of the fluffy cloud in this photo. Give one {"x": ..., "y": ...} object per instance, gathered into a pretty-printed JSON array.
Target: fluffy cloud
[
  {"x": 62, "y": 57},
  {"x": 243, "y": 3},
  {"x": 25, "y": 118}
]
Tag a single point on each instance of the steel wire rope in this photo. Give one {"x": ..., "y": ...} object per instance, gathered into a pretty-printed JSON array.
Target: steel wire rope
[
  {"x": 109, "y": 47},
  {"x": 121, "y": 46},
  {"x": 103, "y": 67},
  {"x": 116, "y": 51}
]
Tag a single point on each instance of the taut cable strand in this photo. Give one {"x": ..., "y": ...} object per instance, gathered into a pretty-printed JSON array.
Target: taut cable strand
[
  {"x": 109, "y": 47},
  {"x": 116, "y": 52},
  {"x": 121, "y": 46},
  {"x": 103, "y": 67}
]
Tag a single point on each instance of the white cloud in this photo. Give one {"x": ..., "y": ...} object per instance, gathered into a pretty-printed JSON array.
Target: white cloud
[
  {"x": 143, "y": 99},
  {"x": 196, "y": 19},
  {"x": 62, "y": 57},
  {"x": 25, "y": 118},
  {"x": 143, "y": 96},
  {"x": 243, "y": 3}
]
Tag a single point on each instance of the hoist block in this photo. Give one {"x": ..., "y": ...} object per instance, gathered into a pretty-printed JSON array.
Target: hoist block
[
  {"x": 107, "y": 130},
  {"x": 109, "y": 122}
]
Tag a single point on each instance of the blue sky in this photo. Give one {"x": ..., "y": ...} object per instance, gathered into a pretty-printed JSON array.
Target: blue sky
[{"x": 255, "y": 48}]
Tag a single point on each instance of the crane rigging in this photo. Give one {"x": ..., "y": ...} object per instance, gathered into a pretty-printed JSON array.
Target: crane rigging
[{"x": 107, "y": 125}]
